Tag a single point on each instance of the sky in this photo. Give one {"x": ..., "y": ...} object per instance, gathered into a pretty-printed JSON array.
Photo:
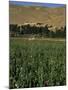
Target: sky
[{"x": 35, "y": 4}]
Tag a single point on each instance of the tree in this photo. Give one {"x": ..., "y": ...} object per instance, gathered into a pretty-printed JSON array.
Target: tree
[{"x": 46, "y": 30}]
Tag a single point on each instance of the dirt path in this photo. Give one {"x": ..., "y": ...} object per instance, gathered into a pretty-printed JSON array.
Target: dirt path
[{"x": 46, "y": 39}]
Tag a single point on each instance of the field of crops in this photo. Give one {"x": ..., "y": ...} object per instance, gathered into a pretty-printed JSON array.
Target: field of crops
[{"x": 37, "y": 63}]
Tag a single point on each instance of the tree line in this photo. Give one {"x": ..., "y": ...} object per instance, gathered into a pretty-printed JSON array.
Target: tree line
[{"x": 37, "y": 31}]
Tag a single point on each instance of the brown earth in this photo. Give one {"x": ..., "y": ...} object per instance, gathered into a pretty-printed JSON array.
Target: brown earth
[{"x": 36, "y": 14}]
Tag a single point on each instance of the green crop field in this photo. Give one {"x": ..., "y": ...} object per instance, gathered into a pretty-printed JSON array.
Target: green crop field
[{"x": 37, "y": 63}]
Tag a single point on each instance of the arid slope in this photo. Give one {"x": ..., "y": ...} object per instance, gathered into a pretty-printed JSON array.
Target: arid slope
[{"x": 31, "y": 14}]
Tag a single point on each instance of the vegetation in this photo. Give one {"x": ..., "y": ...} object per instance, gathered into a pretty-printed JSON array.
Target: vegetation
[
  {"x": 37, "y": 63},
  {"x": 40, "y": 31}
]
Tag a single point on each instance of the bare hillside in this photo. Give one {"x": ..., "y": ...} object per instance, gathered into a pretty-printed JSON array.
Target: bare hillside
[{"x": 36, "y": 14}]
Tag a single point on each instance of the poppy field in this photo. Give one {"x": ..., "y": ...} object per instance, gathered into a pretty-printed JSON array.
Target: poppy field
[{"x": 37, "y": 63}]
